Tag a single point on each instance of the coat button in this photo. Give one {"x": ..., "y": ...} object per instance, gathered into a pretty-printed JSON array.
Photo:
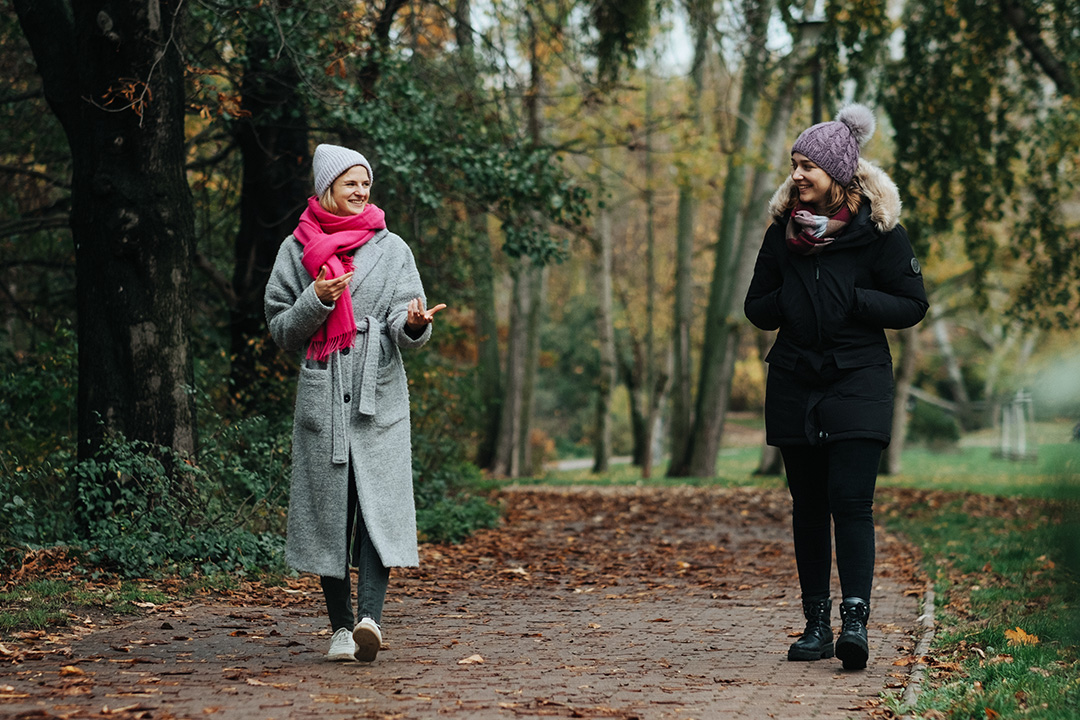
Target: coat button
[
  {"x": 821, "y": 434},
  {"x": 344, "y": 351},
  {"x": 348, "y": 397}
]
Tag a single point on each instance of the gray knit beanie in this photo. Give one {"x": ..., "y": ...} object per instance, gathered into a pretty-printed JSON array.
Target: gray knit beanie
[
  {"x": 834, "y": 146},
  {"x": 332, "y": 160}
]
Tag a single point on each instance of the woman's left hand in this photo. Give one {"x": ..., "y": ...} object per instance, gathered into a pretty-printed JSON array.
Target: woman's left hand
[{"x": 418, "y": 317}]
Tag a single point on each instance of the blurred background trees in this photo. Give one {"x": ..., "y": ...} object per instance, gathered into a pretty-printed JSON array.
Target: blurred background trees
[{"x": 582, "y": 181}]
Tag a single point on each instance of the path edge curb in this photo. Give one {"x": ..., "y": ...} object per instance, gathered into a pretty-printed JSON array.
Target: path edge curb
[{"x": 922, "y": 649}]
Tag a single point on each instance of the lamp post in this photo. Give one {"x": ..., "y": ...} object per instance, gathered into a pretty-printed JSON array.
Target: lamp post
[{"x": 810, "y": 31}]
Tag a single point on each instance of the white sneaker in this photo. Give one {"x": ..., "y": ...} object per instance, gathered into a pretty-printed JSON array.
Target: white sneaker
[
  {"x": 368, "y": 639},
  {"x": 342, "y": 647}
]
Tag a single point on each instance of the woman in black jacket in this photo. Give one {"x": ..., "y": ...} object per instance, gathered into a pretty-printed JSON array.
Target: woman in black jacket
[{"x": 835, "y": 269}]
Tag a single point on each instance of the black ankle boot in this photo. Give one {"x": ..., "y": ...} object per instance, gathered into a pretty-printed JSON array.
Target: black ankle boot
[
  {"x": 852, "y": 647},
  {"x": 816, "y": 642}
]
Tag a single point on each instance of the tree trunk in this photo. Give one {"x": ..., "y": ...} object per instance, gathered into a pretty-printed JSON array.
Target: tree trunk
[
  {"x": 952, "y": 365},
  {"x": 273, "y": 143},
  {"x": 681, "y": 414},
  {"x": 721, "y": 333},
  {"x": 605, "y": 335},
  {"x": 652, "y": 395},
  {"x": 774, "y": 149},
  {"x": 488, "y": 366},
  {"x": 905, "y": 374},
  {"x": 537, "y": 293},
  {"x": 113, "y": 75},
  {"x": 507, "y": 462},
  {"x": 772, "y": 462},
  {"x": 513, "y": 450},
  {"x": 645, "y": 402},
  {"x": 489, "y": 371}
]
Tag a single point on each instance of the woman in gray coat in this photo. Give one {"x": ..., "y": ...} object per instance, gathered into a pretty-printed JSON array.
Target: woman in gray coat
[{"x": 346, "y": 292}]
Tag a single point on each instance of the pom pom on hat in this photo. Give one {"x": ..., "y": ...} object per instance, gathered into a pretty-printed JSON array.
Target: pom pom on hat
[
  {"x": 330, "y": 161},
  {"x": 834, "y": 146},
  {"x": 860, "y": 121}
]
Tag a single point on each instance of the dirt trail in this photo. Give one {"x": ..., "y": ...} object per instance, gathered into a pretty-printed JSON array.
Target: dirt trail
[{"x": 622, "y": 603}]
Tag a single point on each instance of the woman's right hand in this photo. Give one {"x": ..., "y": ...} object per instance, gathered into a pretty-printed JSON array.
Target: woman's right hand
[{"x": 330, "y": 290}]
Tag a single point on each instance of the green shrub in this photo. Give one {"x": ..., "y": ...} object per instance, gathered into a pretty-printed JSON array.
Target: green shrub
[
  {"x": 933, "y": 426},
  {"x": 35, "y": 501},
  {"x": 444, "y": 399},
  {"x": 144, "y": 509},
  {"x": 445, "y": 511},
  {"x": 37, "y": 424}
]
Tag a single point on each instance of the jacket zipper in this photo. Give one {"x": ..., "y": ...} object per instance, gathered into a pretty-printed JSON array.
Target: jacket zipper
[{"x": 817, "y": 295}]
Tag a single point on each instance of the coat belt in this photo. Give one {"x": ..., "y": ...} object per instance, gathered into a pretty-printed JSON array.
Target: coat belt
[{"x": 373, "y": 329}]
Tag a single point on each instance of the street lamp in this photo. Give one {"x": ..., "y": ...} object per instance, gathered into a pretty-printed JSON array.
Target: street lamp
[{"x": 810, "y": 31}]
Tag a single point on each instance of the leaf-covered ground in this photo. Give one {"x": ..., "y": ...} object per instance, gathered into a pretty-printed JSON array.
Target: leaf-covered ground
[{"x": 587, "y": 602}]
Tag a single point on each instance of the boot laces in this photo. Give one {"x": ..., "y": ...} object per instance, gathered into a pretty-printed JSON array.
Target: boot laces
[{"x": 853, "y": 618}]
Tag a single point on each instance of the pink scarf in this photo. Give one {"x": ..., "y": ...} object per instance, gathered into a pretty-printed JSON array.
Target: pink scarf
[{"x": 331, "y": 240}]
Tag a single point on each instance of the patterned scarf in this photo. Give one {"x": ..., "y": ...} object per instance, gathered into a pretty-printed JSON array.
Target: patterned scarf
[
  {"x": 809, "y": 234},
  {"x": 331, "y": 240}
]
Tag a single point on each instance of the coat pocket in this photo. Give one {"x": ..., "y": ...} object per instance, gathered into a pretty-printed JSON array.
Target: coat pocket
[
  {"x": 388, "y": 352},
  {"x": 313, "y": 398},
  {"x": 391, "y": 395}
]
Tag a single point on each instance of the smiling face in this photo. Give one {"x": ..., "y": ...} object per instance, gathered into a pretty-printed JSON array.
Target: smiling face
[
  {"x": 813, "y": 182},
  {"x": 351, "y": 191}
]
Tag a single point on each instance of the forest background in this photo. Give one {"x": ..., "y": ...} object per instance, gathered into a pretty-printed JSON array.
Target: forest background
[{"x": 584, "y": 183}]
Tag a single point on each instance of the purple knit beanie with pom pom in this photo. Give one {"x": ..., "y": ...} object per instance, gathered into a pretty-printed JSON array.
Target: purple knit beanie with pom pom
[{"x": 834, "y": 146}]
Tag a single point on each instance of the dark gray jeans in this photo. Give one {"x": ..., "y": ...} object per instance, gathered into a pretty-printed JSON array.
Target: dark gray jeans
[{"x": 372, "y": 576}]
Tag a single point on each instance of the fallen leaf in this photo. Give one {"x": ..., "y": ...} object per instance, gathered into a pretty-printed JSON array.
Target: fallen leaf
[
  {"x": 1019, "y": 637},
  {"x": 471, "y": 660},
  {"x": 71, "y": 670}
]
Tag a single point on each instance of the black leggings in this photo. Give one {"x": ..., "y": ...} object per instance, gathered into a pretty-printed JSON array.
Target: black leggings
[{"x": 835, "y": 480}]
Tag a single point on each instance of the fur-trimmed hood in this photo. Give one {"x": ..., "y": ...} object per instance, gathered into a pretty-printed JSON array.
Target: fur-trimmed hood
[{"x": 876, "y": 185}]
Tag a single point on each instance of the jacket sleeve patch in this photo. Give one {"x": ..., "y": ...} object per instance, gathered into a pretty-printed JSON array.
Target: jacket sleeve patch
[{"x": 915, "y": 266}]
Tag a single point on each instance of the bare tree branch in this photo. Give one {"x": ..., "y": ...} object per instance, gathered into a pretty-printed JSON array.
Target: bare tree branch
[
  {"x": 34, "y": 224},
  {"x": 20, "y": 97},
  {"x": 15, "y": 170},
  {"x": 1030, "y": 35},
  {"x": 217, "y": 278}
]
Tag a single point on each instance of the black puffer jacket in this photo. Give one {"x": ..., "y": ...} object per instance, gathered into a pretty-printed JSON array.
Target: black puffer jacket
[{"x": 830, "y": 371}]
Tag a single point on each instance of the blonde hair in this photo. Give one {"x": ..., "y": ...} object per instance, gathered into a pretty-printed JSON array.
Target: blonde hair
[
  {"x": 837, "y": 196},
  {"x": 326, "y": 200}
]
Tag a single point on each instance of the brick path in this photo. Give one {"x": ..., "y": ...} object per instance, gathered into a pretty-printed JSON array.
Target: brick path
[{"x": 557, "y": 638}]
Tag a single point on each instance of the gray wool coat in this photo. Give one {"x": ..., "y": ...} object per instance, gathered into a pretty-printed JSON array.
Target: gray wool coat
[{"x": 353, "y": 409}]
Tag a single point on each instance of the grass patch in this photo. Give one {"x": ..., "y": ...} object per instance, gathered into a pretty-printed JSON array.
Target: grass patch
[
  {"x": 49, "y": 604},
  {"x": 40, "y": 604},
  {"x": 1055, "y": 473},
  {"x": 1005, "y": 573},
  {"x": 734, "y": 468}
]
